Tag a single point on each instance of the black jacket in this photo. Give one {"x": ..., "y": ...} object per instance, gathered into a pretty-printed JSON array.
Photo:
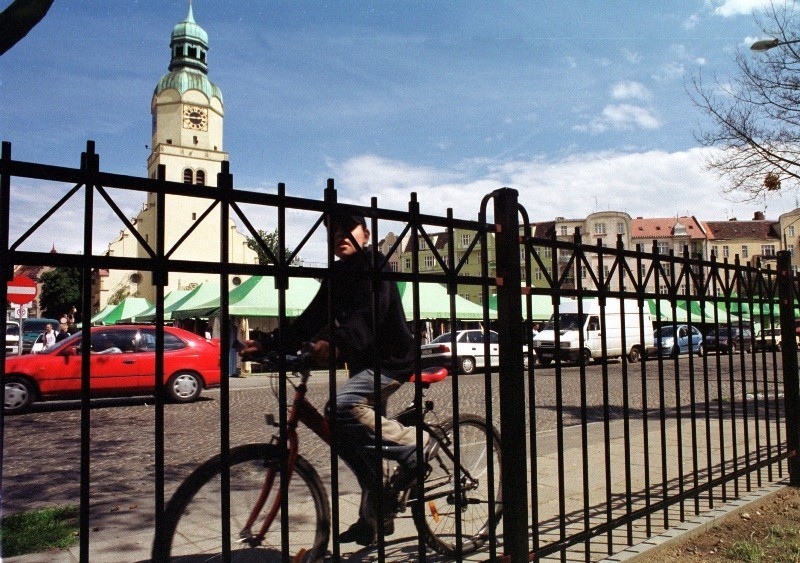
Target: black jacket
[{"x": 390, "y": 345}]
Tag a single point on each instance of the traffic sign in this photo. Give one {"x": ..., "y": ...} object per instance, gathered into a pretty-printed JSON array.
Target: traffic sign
[
  {"x": 22, "y": 290},
  {"x": 20, "y": 312}
]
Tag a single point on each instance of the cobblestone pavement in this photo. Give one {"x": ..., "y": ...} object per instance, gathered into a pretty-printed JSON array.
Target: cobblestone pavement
[{"x": 42, "y": 448}]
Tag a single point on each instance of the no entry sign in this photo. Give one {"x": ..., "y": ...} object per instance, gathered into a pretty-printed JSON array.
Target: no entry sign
[{"x": 22, "y": 290}]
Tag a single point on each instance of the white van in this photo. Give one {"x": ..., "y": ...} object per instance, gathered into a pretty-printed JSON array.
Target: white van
[{"x": 596, "y": 328}]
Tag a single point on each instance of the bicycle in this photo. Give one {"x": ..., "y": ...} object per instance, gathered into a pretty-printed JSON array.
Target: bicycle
[{"x": 193, "y": 525}]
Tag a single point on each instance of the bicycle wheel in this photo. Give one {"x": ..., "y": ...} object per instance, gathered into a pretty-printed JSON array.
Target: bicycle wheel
[
  {"x": 436, "y": 516},
  {"x": 193, "y": 527}
]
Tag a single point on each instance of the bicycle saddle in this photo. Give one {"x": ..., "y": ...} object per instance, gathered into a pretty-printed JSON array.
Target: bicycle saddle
[{"x": 430, "y": 375}]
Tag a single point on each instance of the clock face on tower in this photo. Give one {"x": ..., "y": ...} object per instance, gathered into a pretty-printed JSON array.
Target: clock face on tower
[{"x": 195, "y": 118}]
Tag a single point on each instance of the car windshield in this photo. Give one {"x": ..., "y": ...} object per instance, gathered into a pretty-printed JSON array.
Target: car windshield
[
  {"x": 442, "y": 338},
  {"x": 567, "y": 321},
  {"x": 12, "y": 329},
  {"x": 665, "y": 332}
]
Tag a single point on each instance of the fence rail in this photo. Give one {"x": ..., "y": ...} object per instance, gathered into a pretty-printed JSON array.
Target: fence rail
[{"x": 609, "y": 452}]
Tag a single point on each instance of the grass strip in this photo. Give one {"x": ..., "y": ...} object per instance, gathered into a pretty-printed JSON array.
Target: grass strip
[{"x": 40, "y": 530}]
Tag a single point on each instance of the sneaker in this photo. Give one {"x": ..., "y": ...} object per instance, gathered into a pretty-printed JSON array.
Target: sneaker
[{"x": 364, "y": 534}]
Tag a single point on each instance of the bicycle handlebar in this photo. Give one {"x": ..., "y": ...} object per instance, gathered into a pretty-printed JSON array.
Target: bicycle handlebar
[{"x": 271, "y": 359}]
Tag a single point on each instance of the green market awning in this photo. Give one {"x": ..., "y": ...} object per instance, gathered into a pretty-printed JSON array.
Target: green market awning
[
  {"x": 541, "y": 306},
  {"x": 190, "y": 306},
  {"x": 434, "y": 303},
  {"x": 170, "y": 302},
  {"x": 127, "y": 309},
  {"x": 255, "y": 297}
]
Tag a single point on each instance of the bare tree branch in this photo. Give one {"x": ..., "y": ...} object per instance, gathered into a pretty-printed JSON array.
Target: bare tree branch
[
  {"x": 18, "y": 19},
  {"x": 755, "y": 118}
]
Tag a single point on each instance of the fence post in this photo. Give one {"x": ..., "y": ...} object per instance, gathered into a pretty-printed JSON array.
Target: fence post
[
  {"x": 512, "y": 376},
  {"x": 789, "y": 356}
]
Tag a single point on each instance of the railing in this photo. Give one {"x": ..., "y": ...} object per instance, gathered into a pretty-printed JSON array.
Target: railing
[{"x": 608, "y": 452}]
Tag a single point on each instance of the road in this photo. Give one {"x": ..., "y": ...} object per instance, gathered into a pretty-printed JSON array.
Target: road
[{"x": 41, "y": 465}]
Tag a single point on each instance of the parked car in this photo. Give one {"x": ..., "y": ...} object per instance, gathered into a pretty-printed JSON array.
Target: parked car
[
  {"x": 32, "y": 328},
  {"x": 726, "y": 338},
  {"x": 767, "y": 339},
  {"x": 12, "y": 338},
  {"x": 681, "y": 339},
  {"x": 469, "y": 350},
  {"x": 122, "y": 363}
]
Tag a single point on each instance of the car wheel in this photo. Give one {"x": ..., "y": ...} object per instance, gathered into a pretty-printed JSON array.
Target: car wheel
[
  {"x": 184, "y": 387},
  {"x": 635, "y": 355},
  {"x": 675, "y": 352},
  {"x": 586, "y": 357},
  {"x": 778, "y": 347},
  {"x": 545, "y": 361},
  {"x": 467, "y": 365},
  {"x": 700, "y": 350},
  {"x": 20, "y": 394}
]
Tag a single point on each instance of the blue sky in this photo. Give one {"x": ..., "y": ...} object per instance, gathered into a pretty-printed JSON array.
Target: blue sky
[{"x": 581, "y": 106}]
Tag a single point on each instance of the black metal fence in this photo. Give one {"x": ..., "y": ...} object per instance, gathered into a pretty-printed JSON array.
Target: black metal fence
[{"x": 609, "y": 451}]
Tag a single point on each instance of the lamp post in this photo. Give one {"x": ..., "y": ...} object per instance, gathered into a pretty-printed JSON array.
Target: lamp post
[{"x": 767, "y": 44}]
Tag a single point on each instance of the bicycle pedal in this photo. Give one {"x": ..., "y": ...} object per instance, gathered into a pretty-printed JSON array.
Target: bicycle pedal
[{"x": 270, "y": 420}]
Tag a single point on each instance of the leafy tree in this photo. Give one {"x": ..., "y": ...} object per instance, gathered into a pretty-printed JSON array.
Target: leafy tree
[
  {"x": 271, "y": 242},
  {"x": 61, "y": 290},
  {"x": 18, "y": 19},
  {"x": 756, "y": 116}
]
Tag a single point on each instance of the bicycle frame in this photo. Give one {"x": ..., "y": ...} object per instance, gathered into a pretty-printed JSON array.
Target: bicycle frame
[{"x": 302, "y": 410}]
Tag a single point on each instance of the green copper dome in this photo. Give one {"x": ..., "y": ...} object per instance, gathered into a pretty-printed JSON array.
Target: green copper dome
[{"x": 188, "y": 67}]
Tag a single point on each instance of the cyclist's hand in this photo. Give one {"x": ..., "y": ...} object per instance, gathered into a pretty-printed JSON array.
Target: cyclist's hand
[
  {"x": 251, "y": 349},
  {"x": 319, "y": 351}
]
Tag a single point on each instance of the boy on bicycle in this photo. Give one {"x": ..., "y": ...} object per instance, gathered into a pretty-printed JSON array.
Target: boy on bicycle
[{"x": 363, "y": 341}]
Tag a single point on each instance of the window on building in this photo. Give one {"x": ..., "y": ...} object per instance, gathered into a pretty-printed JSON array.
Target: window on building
[
  {"x": 564, "y": 230},
  {"x": 620, "y": 228},
  {"x": 726, "y": 251},
  {"x": 423, "y": 244},
  {"x": 599, "y": 228},
  {"x": 200, "y": 178},
  {"x": 188, "y": 176},
  {"x": 408, "y": 264},
  {"x": 662, "y": 289},
  {"x": 194, "y": 216},
  {"x": 548, "y": 252},
  {"x": 429, "y": 262},
  {"x": 663, "y": 247},
  {"x": 465, "y": 240},
  {"x": 393, "y": 266},
  {"x": 790, "y": 230},
  {"x": 768, "y": 250},
  {"x": 537, "y": 274},
  {"x": 606, "y": 271},
  {"x": 745, "y": 252},
  {"x": 715, "y": 250}
]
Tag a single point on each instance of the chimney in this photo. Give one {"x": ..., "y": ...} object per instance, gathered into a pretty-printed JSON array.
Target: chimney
[{"x": 758, "y": 216}]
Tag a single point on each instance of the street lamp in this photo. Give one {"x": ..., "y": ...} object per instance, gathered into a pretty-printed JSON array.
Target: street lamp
[{"x": 767, "y": 44}]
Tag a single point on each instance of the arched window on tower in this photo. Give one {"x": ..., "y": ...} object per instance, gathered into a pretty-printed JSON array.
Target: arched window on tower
[
  {"x": 188, "y": 176},
  {"x": 200, "y": 178}
]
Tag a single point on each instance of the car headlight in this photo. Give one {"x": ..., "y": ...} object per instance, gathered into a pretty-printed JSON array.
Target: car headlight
[{"x": 536, "y": 343}]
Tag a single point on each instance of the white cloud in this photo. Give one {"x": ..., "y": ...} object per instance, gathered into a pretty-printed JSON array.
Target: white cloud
[
  {"x": 632, "y": 57},
  {"x": 669, "y": 72},
  {"x": 729, "y": 8},
  {"x": 649, "y": 184},
  {"x": 621, "y": 117},
  {"x": 691, "y": 22},
  {"x": 629, "y": 89}
]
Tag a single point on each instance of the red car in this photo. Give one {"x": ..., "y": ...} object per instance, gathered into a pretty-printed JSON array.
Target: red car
[{"x": 122, "y": 363}]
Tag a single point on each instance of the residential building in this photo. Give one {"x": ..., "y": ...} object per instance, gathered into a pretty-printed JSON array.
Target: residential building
[{"x": 753, "y": 242}]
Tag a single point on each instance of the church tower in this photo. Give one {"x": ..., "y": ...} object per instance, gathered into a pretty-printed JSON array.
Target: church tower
[
  {"x": 187, "y": 116},
  {"x": 187, "y": 111}
]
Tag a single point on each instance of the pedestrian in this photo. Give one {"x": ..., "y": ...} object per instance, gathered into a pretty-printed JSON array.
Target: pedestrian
[
  {"x": 363, "y": 341},
  {"x": 535, "y": 329},
  {"x": 63, "y": 330},
  {"x": 49, "y": 337}
]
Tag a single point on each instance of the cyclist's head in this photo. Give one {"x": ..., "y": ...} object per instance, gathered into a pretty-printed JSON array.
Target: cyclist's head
[{"x": 345, "y": 229}]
